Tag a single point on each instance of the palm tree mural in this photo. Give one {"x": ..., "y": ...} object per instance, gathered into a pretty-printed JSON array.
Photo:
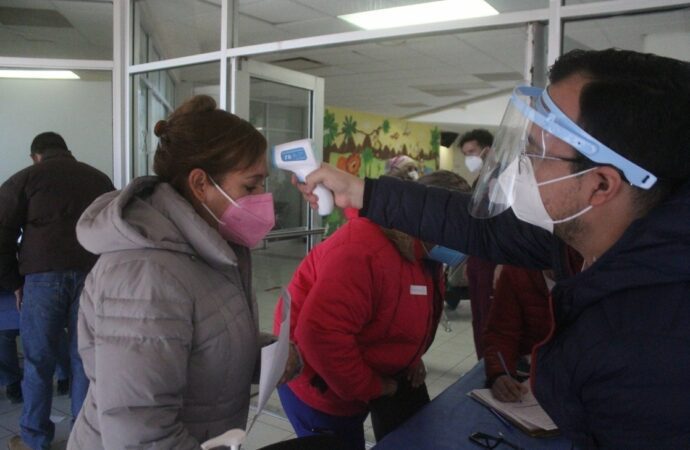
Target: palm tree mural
[
  {"x": 348, "y": 130},
  {"x": 330, "y": 129},
  {"x": 435, "y": 143},
  {"x": 367, "y": 158},
  {"x": 386, "y": 126}
]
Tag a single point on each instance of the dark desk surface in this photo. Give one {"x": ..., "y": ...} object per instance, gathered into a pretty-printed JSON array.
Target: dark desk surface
[{"x": 450, "y": 418}]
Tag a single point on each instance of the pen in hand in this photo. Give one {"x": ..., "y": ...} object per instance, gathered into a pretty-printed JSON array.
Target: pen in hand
[{"x": 505, "y": 368}]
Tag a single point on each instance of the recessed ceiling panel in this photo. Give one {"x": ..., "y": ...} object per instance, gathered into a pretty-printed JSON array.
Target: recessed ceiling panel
[{"x": 55, "y": 29}]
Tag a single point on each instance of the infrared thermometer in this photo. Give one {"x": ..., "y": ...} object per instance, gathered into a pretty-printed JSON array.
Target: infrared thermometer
[{"x": 298, "y": 158}]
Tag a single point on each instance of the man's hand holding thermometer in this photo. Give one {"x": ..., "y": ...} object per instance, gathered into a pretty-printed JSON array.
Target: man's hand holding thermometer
[
  {"x": 347, "y": 188},
  {"x": 298, "y": 158}
]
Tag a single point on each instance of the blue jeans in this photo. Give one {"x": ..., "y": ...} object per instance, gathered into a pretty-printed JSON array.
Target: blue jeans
[
  {"x": 51, "y": 304},
  {"x": 9, "y": 362},
  {"x": 62, "y": 370},
  {"x": 10, "y": 372},
  {"x": 308, "y": 421}
]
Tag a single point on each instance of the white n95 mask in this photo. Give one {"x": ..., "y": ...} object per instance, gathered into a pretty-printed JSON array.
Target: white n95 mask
[
  {"x": 473, "y": 163},
  {"x": 525, "y": 200}
]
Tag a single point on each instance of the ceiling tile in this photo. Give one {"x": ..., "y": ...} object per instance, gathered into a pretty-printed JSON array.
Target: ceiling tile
[
  {"x": 279, "y": 11},
  {"x": 316, "y": 27}
]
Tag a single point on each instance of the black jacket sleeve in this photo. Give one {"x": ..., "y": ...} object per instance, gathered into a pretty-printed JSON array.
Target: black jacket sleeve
[
  {"x": 442, "y": 217},
  {"x": 13, "y": 208}
]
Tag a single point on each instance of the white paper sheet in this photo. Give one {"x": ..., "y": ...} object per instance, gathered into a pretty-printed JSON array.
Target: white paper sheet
[
  {"x": 273, "y": 359},
  {"x": 527, "y": 412}
]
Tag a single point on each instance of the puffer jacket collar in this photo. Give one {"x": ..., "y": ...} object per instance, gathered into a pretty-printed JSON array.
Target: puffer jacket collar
[
  {"x": 652, "y": 251},
  {"x": 149, "y": 213}
]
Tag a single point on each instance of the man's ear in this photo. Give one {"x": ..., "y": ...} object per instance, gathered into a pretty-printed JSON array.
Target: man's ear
[
  {"x": 198, "y": 183},
  {"x": 606, "y": 184},
  {"x": 36, "y": 157}
]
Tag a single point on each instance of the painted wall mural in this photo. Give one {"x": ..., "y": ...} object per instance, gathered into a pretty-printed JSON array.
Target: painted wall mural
[{"x": 361, "y": 143}]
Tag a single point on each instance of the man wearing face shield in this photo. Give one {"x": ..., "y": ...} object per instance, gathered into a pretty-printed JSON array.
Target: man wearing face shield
[{"x": 599, "y": 161}]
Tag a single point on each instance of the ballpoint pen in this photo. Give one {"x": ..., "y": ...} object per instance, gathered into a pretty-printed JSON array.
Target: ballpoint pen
[{"x": 505, "y": 368}]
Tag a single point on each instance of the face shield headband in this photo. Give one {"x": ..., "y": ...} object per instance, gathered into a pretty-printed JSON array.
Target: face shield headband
[{"x": 528, "y": 127}]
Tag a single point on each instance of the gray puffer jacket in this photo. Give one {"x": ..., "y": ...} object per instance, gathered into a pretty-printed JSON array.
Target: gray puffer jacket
[{"x": 167, "y": 325}]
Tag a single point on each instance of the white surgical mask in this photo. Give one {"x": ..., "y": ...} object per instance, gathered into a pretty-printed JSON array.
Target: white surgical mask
[
  {"x": 526, "y": 200},
  {"x": 473, "y": 163}
]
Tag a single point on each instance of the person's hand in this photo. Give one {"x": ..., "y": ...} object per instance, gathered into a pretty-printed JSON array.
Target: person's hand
[
  {"x": 19, "y": 295},
  {"x": 388, "y": 387},
  {"x": 507, "y": 389},
  {"x": 416, "y": 374},
  {"x": 293, "y": 366},
  {"x": 348, "y": 190}
]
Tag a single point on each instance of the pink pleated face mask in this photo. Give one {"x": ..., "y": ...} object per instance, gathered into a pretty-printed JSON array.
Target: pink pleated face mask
[{"x": 245, "y": 221}]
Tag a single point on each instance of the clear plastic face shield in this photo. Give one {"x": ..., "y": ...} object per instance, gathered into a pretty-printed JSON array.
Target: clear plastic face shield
[{"x": 532, "y": 127}]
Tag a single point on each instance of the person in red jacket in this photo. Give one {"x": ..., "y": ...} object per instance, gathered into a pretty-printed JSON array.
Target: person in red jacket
[
  {"x": 365, "y": 307},
  {"x": 519, "y": 318}
]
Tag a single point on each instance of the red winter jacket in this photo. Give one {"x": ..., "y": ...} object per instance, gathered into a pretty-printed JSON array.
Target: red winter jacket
[
  {"x": 360, "y": 311},
  {"x": 519, "y": 318}
]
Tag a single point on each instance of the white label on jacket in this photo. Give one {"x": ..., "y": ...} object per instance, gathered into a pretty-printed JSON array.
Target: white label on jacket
[{"x": 416, "y": 289}]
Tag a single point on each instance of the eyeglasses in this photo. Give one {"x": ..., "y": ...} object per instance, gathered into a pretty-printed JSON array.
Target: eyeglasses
[
  {"x": 488, "y": 441},
  {"x": 550, "y": 158}
]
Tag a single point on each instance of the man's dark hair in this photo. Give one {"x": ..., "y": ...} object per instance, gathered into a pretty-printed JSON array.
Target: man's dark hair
[
  {"x": 482, "y": 136},
  {"x": 638, "y": 105},
  {"x": 48, "y": 141}
]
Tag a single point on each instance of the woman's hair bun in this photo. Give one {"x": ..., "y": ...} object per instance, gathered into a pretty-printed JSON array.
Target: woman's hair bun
[
  {"x": 160, "y": 128},
  {"x": 197, "y": 104}
]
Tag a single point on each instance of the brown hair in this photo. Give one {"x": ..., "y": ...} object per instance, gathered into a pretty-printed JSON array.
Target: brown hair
[
  {"x": 198, "y": 135},
  {"x": 445, "y": 179}
]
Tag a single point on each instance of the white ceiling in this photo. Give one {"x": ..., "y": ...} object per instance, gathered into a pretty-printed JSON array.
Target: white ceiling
[{"x": 403, "y": 77}]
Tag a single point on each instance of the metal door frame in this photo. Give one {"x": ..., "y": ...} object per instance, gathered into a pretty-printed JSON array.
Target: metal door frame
[{"x": 242, "y": 70}]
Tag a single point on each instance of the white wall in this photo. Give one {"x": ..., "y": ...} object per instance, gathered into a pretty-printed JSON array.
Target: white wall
[
  {"x": 445, "y": 159},
  {"x": 674, "y": 44},
  {"x": 79, "y": 110}
]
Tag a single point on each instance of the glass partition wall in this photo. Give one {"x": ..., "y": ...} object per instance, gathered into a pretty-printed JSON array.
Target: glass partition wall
[
  {"x": 152, "y": 54},
  {"x": 454, "y": 74}
]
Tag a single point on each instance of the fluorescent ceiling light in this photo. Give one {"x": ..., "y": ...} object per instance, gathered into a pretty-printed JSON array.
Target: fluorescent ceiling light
[
  {"x": 40, "y": 74},
  {"x": 432, "y": 12}
]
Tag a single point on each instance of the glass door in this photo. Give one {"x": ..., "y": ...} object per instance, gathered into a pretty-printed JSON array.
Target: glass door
[{"x": 285, "y": 106}]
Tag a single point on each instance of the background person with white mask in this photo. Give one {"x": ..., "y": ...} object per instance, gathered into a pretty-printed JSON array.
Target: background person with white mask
[
  {"x": 602, "y": 157},
  {"x": 481, "y": 272},
  {"x": 474, "y": 145}
]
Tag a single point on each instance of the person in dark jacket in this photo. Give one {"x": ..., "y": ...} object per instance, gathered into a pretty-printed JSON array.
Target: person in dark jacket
[
  {"x": 613, "y": 371},
  {"x": 46, "y": 271}
]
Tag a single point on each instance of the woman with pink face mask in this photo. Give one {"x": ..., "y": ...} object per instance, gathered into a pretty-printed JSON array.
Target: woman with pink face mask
[{"x": 168, "y": 327}]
